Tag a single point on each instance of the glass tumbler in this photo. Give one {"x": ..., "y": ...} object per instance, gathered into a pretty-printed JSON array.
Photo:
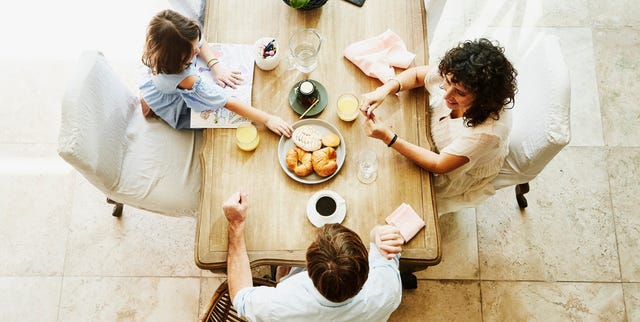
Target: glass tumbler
[
  {"x": 247, "y": 137},
  {"x": 367, "y": 166}
]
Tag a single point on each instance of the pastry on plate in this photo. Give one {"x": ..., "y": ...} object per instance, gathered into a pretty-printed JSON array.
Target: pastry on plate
[
  {"x": 307, "y": 138},
  {"x": 331, "y": 139},
  {"x": 299, "y": 161},
  {"x": 324, "y": 161}
]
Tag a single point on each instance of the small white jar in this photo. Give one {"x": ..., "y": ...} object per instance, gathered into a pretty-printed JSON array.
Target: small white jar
[{"x": 267, "y": 58}]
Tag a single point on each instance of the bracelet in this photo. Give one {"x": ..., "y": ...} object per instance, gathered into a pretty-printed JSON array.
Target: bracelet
[
  {"x": 399, "y": 84},
  {"x": 214, "y": 60},
  {"x": 395, "y": 137}
]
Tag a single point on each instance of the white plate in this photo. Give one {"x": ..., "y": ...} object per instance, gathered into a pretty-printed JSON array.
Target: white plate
[{"x": 323, "y": 127}]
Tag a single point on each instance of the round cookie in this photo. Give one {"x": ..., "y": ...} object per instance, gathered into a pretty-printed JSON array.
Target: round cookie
[{"x": 331, "y": 140}]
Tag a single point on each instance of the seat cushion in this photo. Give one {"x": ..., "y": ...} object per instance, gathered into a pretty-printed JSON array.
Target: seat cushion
[
  {"x": 161, "y": 168},
  {"x": 133, "y": 160},
  {"x": 541, "y": 126}
]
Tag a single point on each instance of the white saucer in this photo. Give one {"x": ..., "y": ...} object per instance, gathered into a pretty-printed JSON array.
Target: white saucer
[{"x": 319, "y": 220}]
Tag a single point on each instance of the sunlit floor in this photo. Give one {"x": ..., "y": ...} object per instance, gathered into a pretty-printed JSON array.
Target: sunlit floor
[{"x": 572, "y": 255}]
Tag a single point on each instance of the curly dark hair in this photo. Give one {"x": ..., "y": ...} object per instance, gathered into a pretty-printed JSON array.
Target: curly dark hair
[{"x": 481, "y": 67}]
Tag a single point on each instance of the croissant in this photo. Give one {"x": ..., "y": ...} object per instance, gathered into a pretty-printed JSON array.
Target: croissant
[
  {"x": 324, "y": 161},
  {"x": 299, "y": 161}
]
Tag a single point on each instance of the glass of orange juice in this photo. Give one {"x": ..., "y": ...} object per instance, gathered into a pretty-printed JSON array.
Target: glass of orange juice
[
  {"x": 247, "y": 137},
  {"x": 348, "y": 107}
]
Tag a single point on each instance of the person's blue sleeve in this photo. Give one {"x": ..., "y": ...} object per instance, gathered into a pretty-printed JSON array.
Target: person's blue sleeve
[
  {"x": 376, "y": 259},
  {"x": 240, "y": 299},
  {"x": 204, "y": 96}
]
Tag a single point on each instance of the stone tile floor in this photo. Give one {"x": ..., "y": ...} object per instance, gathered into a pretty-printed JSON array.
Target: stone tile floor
[{"x": 572, "y": 255}]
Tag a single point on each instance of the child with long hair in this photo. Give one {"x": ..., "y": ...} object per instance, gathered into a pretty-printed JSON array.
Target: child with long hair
[{"x": 173, "y": 43}]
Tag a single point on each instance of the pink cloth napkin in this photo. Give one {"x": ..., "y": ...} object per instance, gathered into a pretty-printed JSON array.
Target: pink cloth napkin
[
  {"x": 375, "y": 56},
  {"x": 405, "y": 218}
]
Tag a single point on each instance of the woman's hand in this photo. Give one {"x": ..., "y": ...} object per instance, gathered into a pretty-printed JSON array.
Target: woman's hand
[
  {"x": 371, "y": 100},
  {"x": 226, "y": 77},
  {"x": 279, "y": 126},
  {"x": 376, "y": 129}
]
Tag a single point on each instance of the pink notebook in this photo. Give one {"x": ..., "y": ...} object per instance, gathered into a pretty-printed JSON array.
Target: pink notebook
[{"x": 405, "y": 218}]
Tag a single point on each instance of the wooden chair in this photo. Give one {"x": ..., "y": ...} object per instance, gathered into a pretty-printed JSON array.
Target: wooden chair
[{"x": 221, "y": 308}]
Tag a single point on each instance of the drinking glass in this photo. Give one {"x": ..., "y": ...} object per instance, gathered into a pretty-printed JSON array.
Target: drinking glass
[
  {"x": 367, "y": 166},
  {"x": 347, "y": 107},
  {"x": 247, "y": 137},
  {"x": 304, "y": 46}
]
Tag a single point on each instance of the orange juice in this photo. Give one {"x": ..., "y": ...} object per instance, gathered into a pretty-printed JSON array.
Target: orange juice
[
  {"x": 247, "y": 137},
  {"x": 348, "y": 107}
]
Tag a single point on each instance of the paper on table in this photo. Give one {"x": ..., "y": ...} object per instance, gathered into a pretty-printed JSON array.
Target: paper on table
[
  {"x": 407, "y": 220},
  {"x": 238, "y": 57}
]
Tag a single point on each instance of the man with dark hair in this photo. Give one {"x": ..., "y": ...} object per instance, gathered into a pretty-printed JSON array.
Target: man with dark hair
[{"x": 343, "y": 282}]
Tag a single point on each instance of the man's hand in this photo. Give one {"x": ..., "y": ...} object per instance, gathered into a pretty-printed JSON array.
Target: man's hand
[
  {"x": 235, "y": 208},
  {"x": 238, "y": 268},
  {"x": 388, "y": 240}
]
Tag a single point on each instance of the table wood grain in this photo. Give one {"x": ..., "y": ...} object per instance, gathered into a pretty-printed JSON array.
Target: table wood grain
[{"x": 277, "y": 229}]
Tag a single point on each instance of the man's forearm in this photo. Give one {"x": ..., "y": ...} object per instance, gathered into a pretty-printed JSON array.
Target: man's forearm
[{"x": 238, "y": 268}]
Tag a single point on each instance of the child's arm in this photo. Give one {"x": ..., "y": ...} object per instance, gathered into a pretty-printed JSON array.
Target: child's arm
[
  {"x": 222, "y": 75},
  {"x": 274, "y": 123}
]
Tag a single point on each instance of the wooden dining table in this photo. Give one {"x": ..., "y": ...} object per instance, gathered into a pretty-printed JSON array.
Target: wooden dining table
[{"x": 277, "y": 229}]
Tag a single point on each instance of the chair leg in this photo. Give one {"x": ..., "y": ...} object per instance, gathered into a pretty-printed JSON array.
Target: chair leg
[
  {"x": 117, "y": 207},
  {"x": 521, "y": 189},
  {"x": 409, "y": 281}
]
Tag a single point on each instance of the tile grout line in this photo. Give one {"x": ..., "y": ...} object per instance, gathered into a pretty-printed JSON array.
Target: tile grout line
[
  {"x": 475, "y": 214},
  {"x": 615, "y": 229},
  {"x": 66, "y": 244}
]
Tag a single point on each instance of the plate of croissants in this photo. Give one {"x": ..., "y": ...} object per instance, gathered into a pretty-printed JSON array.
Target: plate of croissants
[{"x": 314, "y": 153}]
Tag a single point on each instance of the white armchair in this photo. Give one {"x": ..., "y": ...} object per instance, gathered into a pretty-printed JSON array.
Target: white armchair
[
  {"x": 135, "y": 161},
  {"x": 541, "y": 126}
]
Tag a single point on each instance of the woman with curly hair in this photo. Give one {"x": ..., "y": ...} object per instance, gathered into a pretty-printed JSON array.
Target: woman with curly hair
[{"x": 468, "y": 93}]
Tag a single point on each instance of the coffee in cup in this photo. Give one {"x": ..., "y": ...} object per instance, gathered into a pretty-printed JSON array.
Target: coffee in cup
[{"x": 326, "y": 206}]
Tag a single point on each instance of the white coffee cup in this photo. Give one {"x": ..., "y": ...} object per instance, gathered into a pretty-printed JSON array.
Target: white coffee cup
[{"x": 326, "y": 207}]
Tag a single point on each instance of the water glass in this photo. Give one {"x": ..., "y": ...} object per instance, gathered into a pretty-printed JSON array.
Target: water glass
[
  {"x": 367, "y": 166},
  {"x": 304, "y": 46}
]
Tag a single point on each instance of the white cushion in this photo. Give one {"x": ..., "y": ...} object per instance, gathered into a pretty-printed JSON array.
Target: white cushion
[
  {"x": 541, "y": 126},
  {"x": 135, "y": 161}
]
